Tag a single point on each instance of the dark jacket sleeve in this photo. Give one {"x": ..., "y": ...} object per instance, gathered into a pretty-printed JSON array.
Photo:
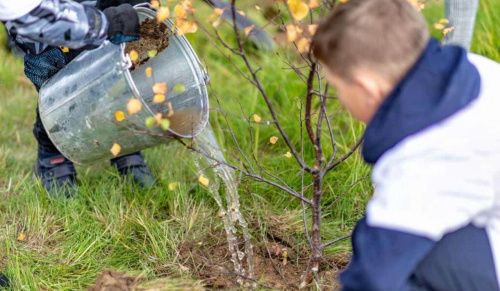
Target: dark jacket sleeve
[{"x": 383, "y": 259}]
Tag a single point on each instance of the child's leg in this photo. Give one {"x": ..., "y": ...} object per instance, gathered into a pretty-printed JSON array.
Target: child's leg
[
  {"x": 462, "y": 260},
  {"x": 462, "y": 17}
]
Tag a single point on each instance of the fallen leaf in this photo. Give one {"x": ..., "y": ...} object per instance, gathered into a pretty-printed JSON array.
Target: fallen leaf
[
  {"x": 312, "y": 28},
  {"x": 160, "y": 88},
  {"x": 288, "y": 155},
  {"x": 249, "y": 29},
  {"x": 149, "y": 72},
  {"x": 203, "y": 181},
  {"x": 152, "y": 53},
  {"x": 159, "y": 98},
  {"x": 273, "y": 140},
  {"x": 119, "y": 116},
  {"x": 21, "y": 236},
  {"x": 257, "y": 7},
  {"x": 162, "y": 14},
  {"x": 65, "y": 49},
  {"x": 134, "y": 55},
  {"x": 313, "y": 4},
  {"x": 134, "y": 106},
  {"x": 179, "y": 88},
  {"x": 155, "y": 4},
  {"x": 298, "y": 9},
  {"x": 116, "y": 149},
  {"x": 165, "y": 124},
  {"x": 150, "y": 122},
  {"x": 158, "y": 117},
  {"x": 256, "y": 118},
  {"x": 173, "y": 186},
  {"x": 303, "y": 45},
  {"x": 293, "y": 32}
]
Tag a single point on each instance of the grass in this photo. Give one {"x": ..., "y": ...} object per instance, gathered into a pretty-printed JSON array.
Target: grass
[{"x": 112, "y": 224}]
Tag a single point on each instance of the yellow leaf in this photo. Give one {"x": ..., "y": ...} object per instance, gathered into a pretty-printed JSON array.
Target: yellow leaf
[
  {"x": 242, "y": 13},
  {"x": 21, "y": 236},
  {"x": 115, "y": 149},
  {"x": 179, "y": 88},
  {"x": 152, "y": 53},
  {"x": 165, "y": 124},
  {"x": 150, "y": 122},
  {"x": 160, "y": 88},
  {"x": 155, "y": 4},
  {"x": 134, "y": 55},
  {"x": 448, "y": 30},
  {"x": 257, "y": 7},
  {"x": 292, "y": 32},
  {"x": 215, "y": 17},
  {"x": 180, "y": 12},
  {"x": 186, "y": 26},
  {"x": 417, "y": 4},
  {"x": 65, "y": 49},
  {"x": 298, "y": 9},
  {"x": 288, "y": 155},
  {"x": 173, "y": 186},
  {"x": 119, "y": 116},
  {"x": 134, "y": 106},
  {"x": 159, "y": 98},
  {"x": 256, "y": 118},
  {"x": 312, "y": 29},
  {"x": 303, "y": 45},
  {"x": 273, "y": 140},
  {"x": 249, "y": 29},
  {"x": 158, "y": 118},
  {"x": 149, "y": 72},
  {"x": 313, "y": 4},
  {"x": 203, "y": 181},
  {"x": 162, "y": 14}
]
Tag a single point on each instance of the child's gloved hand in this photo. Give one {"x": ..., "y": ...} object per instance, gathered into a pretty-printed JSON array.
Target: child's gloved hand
[
  {"x": 103, "y": 4},
  {"x": 123, "y": 23}
]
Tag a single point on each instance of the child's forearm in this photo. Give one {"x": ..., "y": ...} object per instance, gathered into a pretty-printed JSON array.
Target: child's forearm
[{"x": 59, "y": 23}]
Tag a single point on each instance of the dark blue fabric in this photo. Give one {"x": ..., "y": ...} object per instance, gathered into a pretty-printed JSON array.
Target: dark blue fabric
[
  {"x": 120, "y": 38},
  {"x": 442, "y": 82},
  {"x": 383, "y": 259},
  {"x": 39, "y": 68},
  {"x": 460, "y": 261}
]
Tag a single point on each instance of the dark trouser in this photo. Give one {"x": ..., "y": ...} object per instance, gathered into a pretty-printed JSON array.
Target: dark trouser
[
  {"x": 462, "y": 260},
  {"x": 39, "y": 68}
]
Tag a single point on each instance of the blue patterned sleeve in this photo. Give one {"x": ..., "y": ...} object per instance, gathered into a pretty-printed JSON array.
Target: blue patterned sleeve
[{"x": 59, "y": 23}]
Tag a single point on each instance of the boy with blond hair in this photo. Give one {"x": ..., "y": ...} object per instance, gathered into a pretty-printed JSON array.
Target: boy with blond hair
[{"x": 433, "y": 136}]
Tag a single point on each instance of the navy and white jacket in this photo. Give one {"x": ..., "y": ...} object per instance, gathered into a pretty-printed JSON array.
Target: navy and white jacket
[
  {"x": 435, "y": 146},
  {"x": 38, "y": 24}
]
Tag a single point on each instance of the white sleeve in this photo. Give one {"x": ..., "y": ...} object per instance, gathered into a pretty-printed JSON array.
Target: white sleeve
[
  {"x": 12, "y": 9},
  {"x": 431, "y": 195}
]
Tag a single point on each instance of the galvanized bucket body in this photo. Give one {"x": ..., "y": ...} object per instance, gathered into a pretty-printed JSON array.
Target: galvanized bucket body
[{"x": 77, "y": 106}]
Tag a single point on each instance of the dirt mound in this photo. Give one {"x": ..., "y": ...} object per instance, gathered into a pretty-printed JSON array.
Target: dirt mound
[
  {"x": 277, "y": 266},
  {"x": 154, "y": 37},
  {"x": 115, "y": 281}
]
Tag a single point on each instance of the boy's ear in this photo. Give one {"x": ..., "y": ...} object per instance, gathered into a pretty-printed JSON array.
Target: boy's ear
[{"x": 373, "y": 87}]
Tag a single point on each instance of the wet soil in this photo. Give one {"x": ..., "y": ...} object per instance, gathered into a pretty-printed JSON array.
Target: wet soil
[{"x": 277, "y": 265}]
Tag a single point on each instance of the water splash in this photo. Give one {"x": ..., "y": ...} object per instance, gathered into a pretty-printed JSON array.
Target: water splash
[{"x": 235, "y": 225}]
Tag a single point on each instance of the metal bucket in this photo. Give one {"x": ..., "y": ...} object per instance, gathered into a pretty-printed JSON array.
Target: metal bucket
[{"x": 77, "y": 106}]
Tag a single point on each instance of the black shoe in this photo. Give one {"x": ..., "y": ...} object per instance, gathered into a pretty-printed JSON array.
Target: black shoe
[
  {"x": 135, "y": 166},
  {"x": 4, "y": 281},
  {"x": 57, "y": 174}
]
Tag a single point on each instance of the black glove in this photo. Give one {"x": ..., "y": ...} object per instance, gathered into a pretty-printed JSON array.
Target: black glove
[
  {"x": 123, "y": 23},
  {"x": 103, "y": 4}
]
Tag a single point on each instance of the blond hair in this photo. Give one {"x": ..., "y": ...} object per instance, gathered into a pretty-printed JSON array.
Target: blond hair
[{"x": 385, "y": 36}]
